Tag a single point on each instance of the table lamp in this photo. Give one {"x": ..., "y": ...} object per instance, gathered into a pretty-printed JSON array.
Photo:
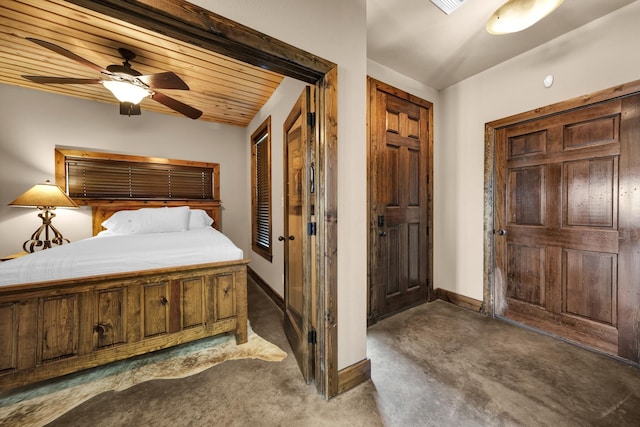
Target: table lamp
[{"x": 46, "y": 197}]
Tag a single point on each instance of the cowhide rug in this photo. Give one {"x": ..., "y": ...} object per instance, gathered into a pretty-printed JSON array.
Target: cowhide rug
[{"x": 41, "y": 404}]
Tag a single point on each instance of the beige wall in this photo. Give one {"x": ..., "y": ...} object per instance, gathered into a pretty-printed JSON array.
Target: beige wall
[
  {"x": 334, "y": 30},
  {"x": 33, "y": 122},
  {"x": 594, "y": 57}
]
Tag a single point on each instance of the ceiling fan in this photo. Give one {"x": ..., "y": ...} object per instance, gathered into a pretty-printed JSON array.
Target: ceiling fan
[{"x": 126, "y": 84}]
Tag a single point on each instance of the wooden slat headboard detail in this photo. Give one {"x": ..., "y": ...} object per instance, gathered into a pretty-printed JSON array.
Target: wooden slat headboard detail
[{"x": 101, "y": 210}]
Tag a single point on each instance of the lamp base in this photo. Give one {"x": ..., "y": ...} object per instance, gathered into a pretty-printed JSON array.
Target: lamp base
[{"x": 34, "y": 243}]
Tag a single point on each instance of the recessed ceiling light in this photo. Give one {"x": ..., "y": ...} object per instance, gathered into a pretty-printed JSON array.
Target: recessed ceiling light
[{"x": 447, "y": 6}]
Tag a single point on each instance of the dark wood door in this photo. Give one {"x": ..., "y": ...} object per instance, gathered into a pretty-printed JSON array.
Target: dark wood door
[
  {"x": 399, "y": 185},
  {"x": 562, "y": 218},
  {"x": 297, "y": 207}
]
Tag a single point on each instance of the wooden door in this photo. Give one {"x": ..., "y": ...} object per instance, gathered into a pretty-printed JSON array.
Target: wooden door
[
  {"x": 399, "y": 199},
  {"x": 563, "y": 252},
  {"x": 297, "y": 207}
]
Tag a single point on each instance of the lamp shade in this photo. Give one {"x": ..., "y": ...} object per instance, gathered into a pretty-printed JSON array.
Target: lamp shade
[
  {"x": 125, "y": 91},
  {"x": 45, "y": 195},
  {"x": 517, "y": 15}
]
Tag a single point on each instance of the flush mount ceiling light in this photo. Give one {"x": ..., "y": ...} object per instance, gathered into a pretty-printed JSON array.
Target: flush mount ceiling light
[
  {"x": 517, "y": 15},
  {"x": 448, "y": 6}
]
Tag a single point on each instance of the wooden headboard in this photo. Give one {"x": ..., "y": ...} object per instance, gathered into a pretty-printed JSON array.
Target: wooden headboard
[{"x": 101, "y": 210}]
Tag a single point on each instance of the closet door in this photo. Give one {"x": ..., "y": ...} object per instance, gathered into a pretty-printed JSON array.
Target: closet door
[{"x": 563, "y": 251}]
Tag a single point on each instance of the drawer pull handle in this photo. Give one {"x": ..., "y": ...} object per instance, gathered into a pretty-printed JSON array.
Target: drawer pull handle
[{"x": 100, "y": 329}]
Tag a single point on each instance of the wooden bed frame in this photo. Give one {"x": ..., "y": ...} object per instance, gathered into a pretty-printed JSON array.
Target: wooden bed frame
[{"x": 49, "y": 329}]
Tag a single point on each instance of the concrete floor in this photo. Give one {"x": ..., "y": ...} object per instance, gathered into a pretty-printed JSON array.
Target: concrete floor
[{"x": 433, "y": 365}]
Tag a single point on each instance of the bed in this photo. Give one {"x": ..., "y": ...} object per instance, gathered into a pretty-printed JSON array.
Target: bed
[{"x": 111, "y": 308}]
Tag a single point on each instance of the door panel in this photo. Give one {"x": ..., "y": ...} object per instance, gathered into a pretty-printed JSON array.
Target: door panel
[
  {"x": 591, "y": 285},
  {"x": 526, "y": 195},
  {"x": 590, "y": 187},
  {"x": 399, "y": 197},
  {"x": 295, "y": 216},
  {"x": 297, "y": 208},
  {"x": 557, "y": 209},
  {"x": 526, "y": 274}
]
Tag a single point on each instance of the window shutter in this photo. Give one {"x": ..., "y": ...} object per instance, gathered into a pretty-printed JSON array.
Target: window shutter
[
  {"x": 114, "y": 179},
  {"x": 263, "y": 194},
  {"x": 261, "y": 190}
]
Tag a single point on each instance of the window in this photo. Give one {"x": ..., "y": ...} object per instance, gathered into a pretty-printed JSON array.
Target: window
[
  {"x": 114, "y": 179},
  {"x": 89, "y": 176},
  {"x": 261, "y": 190}
]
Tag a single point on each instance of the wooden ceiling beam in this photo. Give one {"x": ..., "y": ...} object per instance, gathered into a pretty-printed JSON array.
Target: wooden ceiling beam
[{"x": 200, "y": 27}]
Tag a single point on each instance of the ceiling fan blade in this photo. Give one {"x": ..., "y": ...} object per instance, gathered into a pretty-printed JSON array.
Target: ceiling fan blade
[
  {"x": 176, "y": 105},
  {"x": 68, "y": 54},
  {"x": 62, "y": 80},
  {"x": 166, "y": 80}
]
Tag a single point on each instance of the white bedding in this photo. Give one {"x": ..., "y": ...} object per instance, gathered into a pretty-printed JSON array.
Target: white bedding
[{"x": 106, "y": 254}]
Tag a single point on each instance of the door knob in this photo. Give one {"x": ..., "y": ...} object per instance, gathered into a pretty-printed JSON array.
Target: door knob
[
  {"x": 382, "y": 233},
  {"x": 501, "y": 232},
  {"x": 281, "y": 238},
  {"x": 292, "y": 237}
]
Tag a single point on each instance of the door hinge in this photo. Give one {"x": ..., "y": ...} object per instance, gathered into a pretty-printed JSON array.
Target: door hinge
[
  {"x": 312, "y": 337},
  {"x": 311, "y": 119},
  {"x": 312, "y": 228}
]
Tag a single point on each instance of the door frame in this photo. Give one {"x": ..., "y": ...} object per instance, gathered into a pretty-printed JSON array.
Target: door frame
[
  {"x": 489, "y": 270},
  {"x": 372, "y": 86},
  {"x": 192, "y": 24}
]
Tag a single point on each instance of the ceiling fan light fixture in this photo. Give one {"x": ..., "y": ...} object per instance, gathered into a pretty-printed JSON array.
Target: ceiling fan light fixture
[
  {"x": 517, "y": 15},
  {"x": 126, "y": 92}
]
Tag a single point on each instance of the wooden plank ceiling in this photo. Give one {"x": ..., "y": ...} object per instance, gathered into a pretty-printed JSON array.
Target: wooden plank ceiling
[{"x": 224, "y": 89}]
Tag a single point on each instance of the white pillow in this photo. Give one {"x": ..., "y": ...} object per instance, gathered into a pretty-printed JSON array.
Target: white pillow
[
  {"x": 162, "y": 220},
  {"x": 198, "y": 219},
  {"x": 121, "y": 222},
  {"x": 148, "y": 220}
]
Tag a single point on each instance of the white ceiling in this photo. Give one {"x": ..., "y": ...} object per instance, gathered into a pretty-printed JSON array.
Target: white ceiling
[{"x": 417, "y": 39}]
